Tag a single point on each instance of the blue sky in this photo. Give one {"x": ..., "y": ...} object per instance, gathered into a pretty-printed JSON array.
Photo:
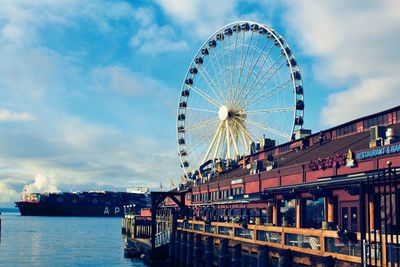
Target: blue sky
[{"x": 89, "y": 89}]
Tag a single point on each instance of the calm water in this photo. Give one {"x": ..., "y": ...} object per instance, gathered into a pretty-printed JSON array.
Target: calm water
[{"x": 62, "y": 241}]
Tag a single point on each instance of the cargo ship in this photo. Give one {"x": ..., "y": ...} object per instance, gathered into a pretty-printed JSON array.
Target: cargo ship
[{"x": 91, "y": 204}]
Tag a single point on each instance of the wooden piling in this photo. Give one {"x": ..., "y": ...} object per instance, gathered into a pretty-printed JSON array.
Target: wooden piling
[
  {"x": 172, "y": 240},
  {"x": 177, "y": 247},
  {"x": 183, "y": 249},
  {"x": 209, "y": 254},
  {"x": 285, "y": 258},
  {"x": 262, "y": 256},
  {"x": 237, "y": 255},
  {"x": 189, "y": 255},
  {"x": 325, "y": 262},
  {"x": 223, "y": 258},
  {"x": 197, "y": 251}
]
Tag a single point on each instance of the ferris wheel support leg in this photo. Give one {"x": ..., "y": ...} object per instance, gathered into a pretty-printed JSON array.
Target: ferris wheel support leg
[
  {"x": 212, "y": 143},
  {"x": 245, "y": 142},
  {"x": 218, "y": 142},
  {"x": 234, "y": 144},
  {"x": 228, "y": 143}
]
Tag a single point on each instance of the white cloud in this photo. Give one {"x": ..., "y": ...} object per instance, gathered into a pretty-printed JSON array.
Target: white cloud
[
  {"x": 355, "y": 45},
  {"x": 42, "y": 184},
  {"x": 79, "y": 153},
  {"x": 123, "y": 80},
  {"x": 82, "y": 155},
  {"x": 8, "y": 115},
  {"x": 200, "y": 18},
  {"x": 154, "y": 39},
  {"x": 7, "y": 194},
  {"x": 370, "y": 95}
]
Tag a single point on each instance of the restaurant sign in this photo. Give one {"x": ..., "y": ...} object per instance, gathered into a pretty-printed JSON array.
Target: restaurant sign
[{"x": 376, "y": 152}]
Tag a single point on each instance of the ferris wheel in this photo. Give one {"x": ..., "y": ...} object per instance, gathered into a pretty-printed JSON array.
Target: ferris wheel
[{"x": 243, "y": 83}]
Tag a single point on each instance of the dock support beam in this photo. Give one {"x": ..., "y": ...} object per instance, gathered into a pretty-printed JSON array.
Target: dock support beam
[
  {"x": 183, "y": 249},
  {"x": 285, "y": 258},
  {"x": 177, "y": 247},
  {"x": 209, "y": 251},
  {"x": 197, "y": 251},
  {"x": 189, "y": 256},
  {"x": 223, "y": 258},
  {"x": 237, "y": 255},
  {"x": 325, "y": 262},
  {"x": 262, "y": 256},
  {"x": 172, "y": 243}
]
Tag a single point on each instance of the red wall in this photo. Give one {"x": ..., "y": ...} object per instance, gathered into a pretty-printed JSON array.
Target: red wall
[
  {"x": 292, "y": 179},
  {"x": 252, "y": 187}
]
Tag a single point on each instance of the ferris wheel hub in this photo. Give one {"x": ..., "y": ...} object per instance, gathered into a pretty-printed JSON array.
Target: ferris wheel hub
[{"x": 223, "y": 113}]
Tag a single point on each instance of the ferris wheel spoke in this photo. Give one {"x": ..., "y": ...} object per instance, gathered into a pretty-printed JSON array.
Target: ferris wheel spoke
[
  {"x": 266, "y": 57},
  {"x": 199, "y": 157},
  {"x": 234, "y": 142},
  {"x": 273, "y": 91},
  {"x": 218, "y": 142},
  {"x": 199, "y": 141},
  {"x": 219, "y": 66},
  {"x": 212, "y": 142},
  {"x": 230, "y": 63},
  {"x": 224, "y": 71},
  {"x": 244, "y": 140},
  {"x": 216, "y": 75},
  {"x": 228, "y": 142},
  {"x": 256, "y": 79},
  {"x": 251, "y": 61},
  {"x": 255, "y": 64},
  {"x": 205, "y": 96},
  {"x": 271, "y": 67},
  {"x": 202, "y": 110},
  {"x": 271, "y": 110},
  {"x": 200, "y": 124},
  {"x": 276, "y": 132},
  {"x": 208, "y": 80},
  {"x": 233, "y": 68},
  {"x": 246, "y": 132},
  {"x": 263, "y": 76},
  {"x": 243, "y": 62}
]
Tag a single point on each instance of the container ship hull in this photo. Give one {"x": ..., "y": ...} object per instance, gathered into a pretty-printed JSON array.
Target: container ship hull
[
  {"x": 51, "y": 209},
  {"x": 105, "y": 204}
]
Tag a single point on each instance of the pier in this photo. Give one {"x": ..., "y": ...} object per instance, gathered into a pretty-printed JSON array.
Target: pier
[
  {"x": 175, "y": 235},
  {"x": 199, "y": 243}
]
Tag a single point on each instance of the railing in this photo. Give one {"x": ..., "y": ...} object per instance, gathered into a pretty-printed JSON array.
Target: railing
[
  {"x": 141, "y": 227},
  {"x": 162, "y": 238},
  {"x": 382, "y": 252},
  {"x": 310, "y": 241}
]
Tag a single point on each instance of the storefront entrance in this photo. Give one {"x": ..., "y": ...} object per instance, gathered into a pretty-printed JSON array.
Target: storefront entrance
[{"x": 349, "y": 215}]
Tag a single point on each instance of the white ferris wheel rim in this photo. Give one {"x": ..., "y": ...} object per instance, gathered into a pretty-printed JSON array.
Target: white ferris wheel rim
[{"x": 225, "y": 110}]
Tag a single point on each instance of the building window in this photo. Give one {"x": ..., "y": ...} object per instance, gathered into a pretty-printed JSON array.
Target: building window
[
  {"x": 314, "y": 213},
  {"x": 348, "y": 129},
  {"x": 287, "y": 213},
  {"x": 284, "y": 148},
  {"x": 377, "y": 120}
]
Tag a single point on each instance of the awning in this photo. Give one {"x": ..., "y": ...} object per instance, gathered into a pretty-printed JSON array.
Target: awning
[
  {"x": 326, "y": 182},
  {"x": 231, "y": 201}
]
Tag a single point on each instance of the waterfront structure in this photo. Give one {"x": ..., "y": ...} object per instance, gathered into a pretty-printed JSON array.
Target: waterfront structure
[{"x": 323, "y": 199}]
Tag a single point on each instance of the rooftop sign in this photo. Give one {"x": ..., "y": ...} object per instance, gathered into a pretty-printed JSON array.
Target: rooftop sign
[{"x": 376, "y": 152}]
